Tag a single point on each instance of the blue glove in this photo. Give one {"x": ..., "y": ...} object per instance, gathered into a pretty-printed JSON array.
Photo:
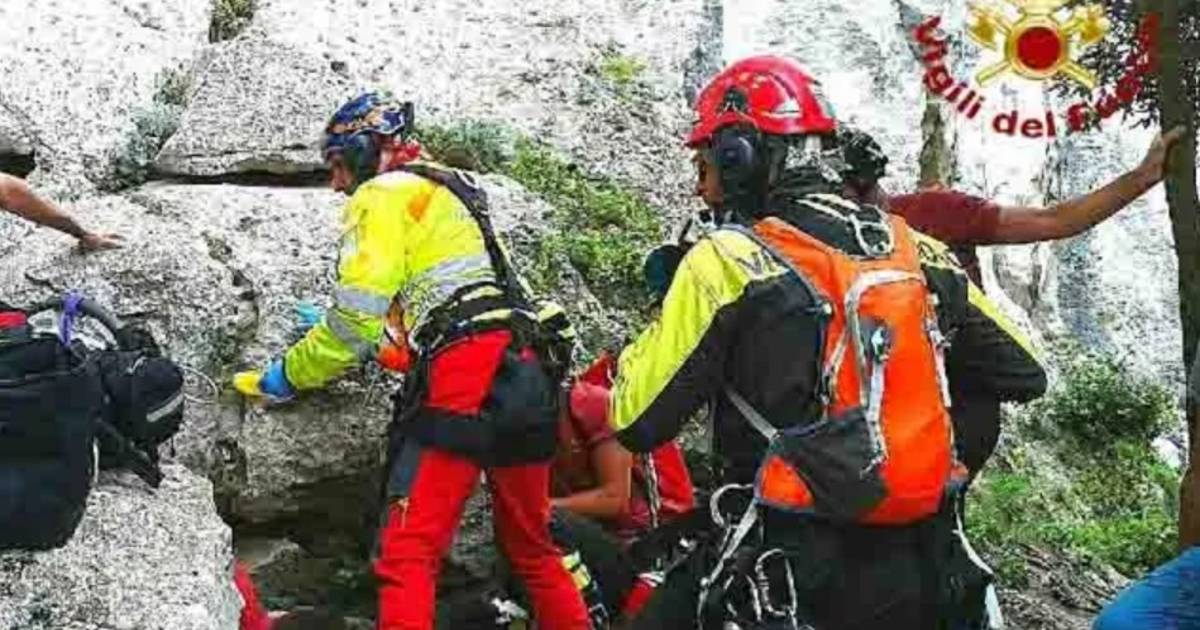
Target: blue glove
[
  {"x": 274, "y": 382},
  {"x": 308, "y": 315}
]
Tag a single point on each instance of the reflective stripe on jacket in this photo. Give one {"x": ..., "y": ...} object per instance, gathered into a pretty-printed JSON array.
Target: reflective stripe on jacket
[{"x": 404, "y": 238}]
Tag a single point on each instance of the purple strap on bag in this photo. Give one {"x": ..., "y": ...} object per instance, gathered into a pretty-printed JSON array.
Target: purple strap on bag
[{"x": 66, "y": 324}]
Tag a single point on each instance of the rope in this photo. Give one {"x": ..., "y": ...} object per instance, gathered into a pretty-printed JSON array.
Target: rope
[{"x": 203, "y": 378}]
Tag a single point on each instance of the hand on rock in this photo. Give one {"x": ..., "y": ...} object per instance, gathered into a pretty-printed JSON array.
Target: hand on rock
[
  {"x": 1156, "y": 156},
  {"x": 270, "y": 385},
  {"x": 92, "y": 242}
]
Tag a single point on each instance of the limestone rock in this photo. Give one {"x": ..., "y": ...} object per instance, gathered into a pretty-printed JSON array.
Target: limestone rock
[
  {"x": 257, "y": 106},
  {"x": 140, "y": 559},
  {"x": 604, "y": 83},
  {"x": 14, "y": 141},
  {"x": 77, "y": 76}
]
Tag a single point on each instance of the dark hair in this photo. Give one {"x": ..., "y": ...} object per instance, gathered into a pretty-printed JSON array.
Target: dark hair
[
  {"x": 316, "y": 619},
  {"x": 865, "y": 160}
]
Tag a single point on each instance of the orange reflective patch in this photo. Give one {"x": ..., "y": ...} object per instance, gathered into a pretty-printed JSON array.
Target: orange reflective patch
[{"x": 782, "y": 486}]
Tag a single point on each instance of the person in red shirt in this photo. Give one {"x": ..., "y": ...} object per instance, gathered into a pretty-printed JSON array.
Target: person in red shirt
[
  {"x": 596, "y": 478},
  {"x": 964, "y": 221}
]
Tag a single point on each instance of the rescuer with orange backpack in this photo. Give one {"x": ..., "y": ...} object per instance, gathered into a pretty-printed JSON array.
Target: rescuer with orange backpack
[{"x": 819, "y": 329}]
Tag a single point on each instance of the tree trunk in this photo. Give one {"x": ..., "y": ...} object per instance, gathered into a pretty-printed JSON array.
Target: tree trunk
[
  {"x": 1180, "y": 180},
  {"x": 937, "y": 158}
]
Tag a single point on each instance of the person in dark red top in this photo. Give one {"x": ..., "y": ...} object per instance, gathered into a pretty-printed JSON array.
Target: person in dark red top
[
  {"x": 595, "y": 477},
  {"x": 964, "y": 221},
  {"x": 593, "y": 473}
]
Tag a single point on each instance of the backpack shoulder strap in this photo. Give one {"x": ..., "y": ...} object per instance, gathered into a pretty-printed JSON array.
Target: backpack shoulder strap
[
  {"x": 474, "y": 197},
  {"x": 821, "y": 308},
  {"x": 751, "y": 414},
  {"x": 872, "y": 228},
  {"x": 820, "y": 305}
]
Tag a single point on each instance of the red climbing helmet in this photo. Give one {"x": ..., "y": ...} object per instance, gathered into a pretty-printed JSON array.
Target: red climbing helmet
[{"x": 773, "y": 94}]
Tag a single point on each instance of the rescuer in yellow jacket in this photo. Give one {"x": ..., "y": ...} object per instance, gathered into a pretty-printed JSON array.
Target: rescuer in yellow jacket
[
  {"x": 417, "y": 245},
  {"x": 788, "y": 319}
]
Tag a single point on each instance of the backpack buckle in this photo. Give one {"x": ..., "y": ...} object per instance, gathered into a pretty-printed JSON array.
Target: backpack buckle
[{"x": 884, "y": 242}]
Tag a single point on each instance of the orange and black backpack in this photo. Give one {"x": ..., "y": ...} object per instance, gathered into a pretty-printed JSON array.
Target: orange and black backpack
[{"x": 882, "y": 452}]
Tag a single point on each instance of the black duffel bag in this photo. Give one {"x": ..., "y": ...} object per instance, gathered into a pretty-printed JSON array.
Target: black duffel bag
[
  {"x": 68, "y": 407},
  {"x": 50, "y": 403}
]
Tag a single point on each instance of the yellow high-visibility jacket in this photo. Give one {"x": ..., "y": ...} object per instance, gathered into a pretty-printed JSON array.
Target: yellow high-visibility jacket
[{"x": 403, "y": 238}]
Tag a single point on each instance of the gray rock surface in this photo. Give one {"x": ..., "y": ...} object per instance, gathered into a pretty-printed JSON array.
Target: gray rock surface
[
  {"x": 76, "y": 76},
  {"x": 540, "y": 70},
  {"x": 257, "y": 106},
  {"x": 1117, "y": 285},
  {"x": 166, "y": 277},
  {"x": 14, "y": 140},
  {"x": 1111, "y": 289},
  {"x": 140, "y": 559}
]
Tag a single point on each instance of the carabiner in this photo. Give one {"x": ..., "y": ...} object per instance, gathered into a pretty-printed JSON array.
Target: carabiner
[{"x": 789, "y": 610}]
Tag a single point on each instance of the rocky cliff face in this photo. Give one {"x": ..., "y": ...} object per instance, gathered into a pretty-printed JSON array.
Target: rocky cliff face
[{"x": 101, "y": 95}]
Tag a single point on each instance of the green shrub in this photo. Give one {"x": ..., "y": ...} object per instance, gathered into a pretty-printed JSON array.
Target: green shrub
[
  {"x": 474, "y": 146},
  {"x": 173, "y": 85},
  {"x": 621, "y": 70},
  {"x": 1099, "y": 491},
  {"x": 1131, "y": 499},
  {"x": 604, "y": 228},
  {"x": 133, "y": 162},
  {"x": 1131, "y": 544},
  {"x": 600, "y": 226},
  {"x": 1002, "y": 514},
  {"x": 1100, "y": 403},
  {"x": 229, "y": 19}
]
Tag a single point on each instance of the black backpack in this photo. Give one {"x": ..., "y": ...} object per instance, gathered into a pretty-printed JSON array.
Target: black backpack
[
  {"x": 50, "y": 403},
  {"x": 68, "y": 408},
  {"x": 145, "y": 404}
]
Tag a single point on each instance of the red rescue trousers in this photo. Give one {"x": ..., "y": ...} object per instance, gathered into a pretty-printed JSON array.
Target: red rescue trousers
[{"x": 419, "y": 531}]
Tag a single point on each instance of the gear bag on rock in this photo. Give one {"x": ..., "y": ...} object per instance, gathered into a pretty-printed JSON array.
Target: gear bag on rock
[
  {"x": 50, "y": 403},
  {"x": 68, "y": 407}
]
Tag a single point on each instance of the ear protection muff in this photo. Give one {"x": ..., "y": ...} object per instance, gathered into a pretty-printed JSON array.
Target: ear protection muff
[
  {"x": 734, "y": 149},
  {"x": 737, "y": 154},
  {"x": 362, "y": 156}
]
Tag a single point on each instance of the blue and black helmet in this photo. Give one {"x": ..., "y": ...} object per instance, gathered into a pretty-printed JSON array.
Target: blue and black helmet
[{"x": 354, "y": 129}]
